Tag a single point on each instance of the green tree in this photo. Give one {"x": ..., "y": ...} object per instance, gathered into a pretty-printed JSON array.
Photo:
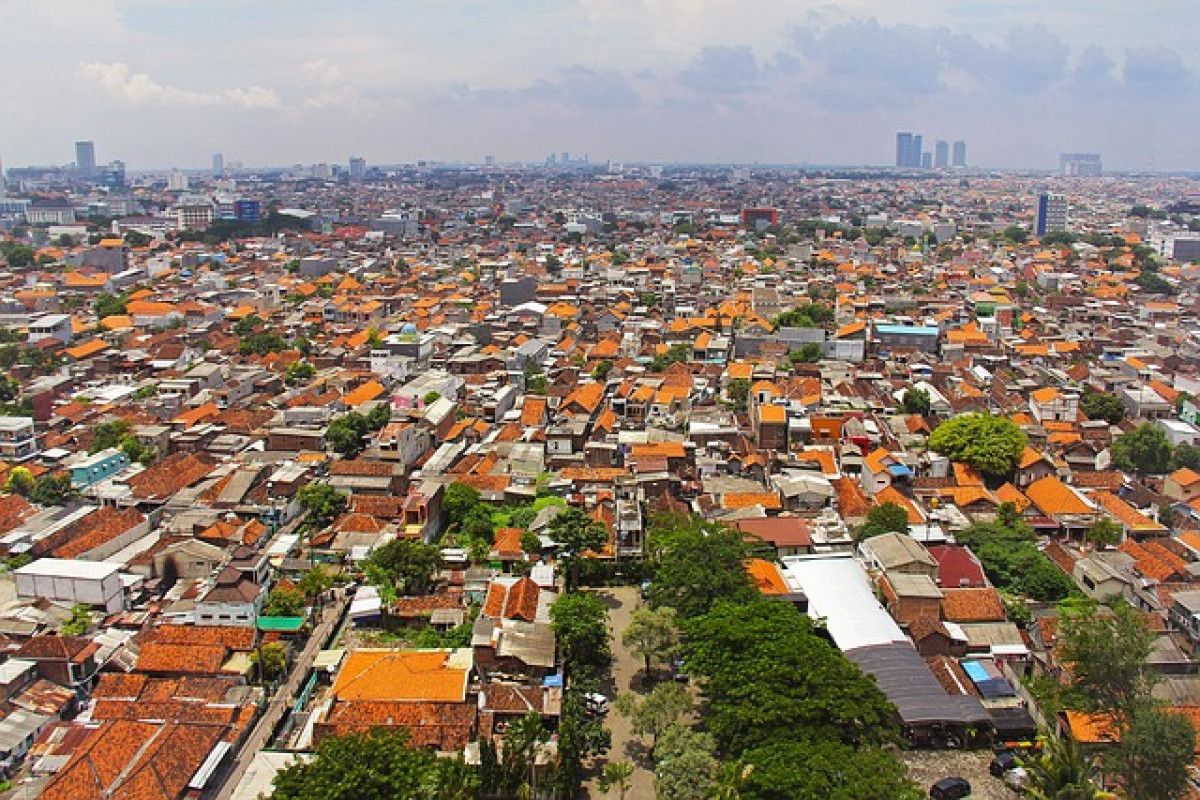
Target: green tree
[
  {"x": 315, "y": 582},
  {"x": 269, "y": 661},
  {"x": 379, "y": 416},
  {"x": 1107, "y": 654},
  {"x": 769, "y": 677},
  {"x": 53, "y": 490},
  {"x": 79, "y": 621},
  {"x": 884, "y": 518},
  {"x": 1016, "y": 234},
  {"x": 1185, "y": 455},
  {"x": 576, "y": 534},
  {"x": 697, "y": 563},
  {"x": 738, "y": 391},
  {"x": 1156, "y": 754},
  {"x": 685, "y": 764},
  {"x": 347, "y": 434},
  {"x": 617, "y": 775},
  {"x": 655, "y": 712},
  {"x": 652, "y": 634},
  {"x": 531, "y": 543},
  {"x": 20, "y": 481},
  {"x": 299, "y": 372},
  {"x": 246, "y": 325},
  {"x": 323, "y": 503},
  {"x": 580, "y": 624},
  {"x": 378, "y": 765},
  {"x": 1104, "y": 533},
  {"x": 407, "y": 563},
  {"x": 826, "y": 768},
  {"x": 809, "y": 315},
  {"x": 284, "y": 601},
  {"x": 1059, "y": 772},
  {"x": 916, "y": 401},
  {"x": 1144, "y": 450},
  {"x": 108, "y": 434},
  {"x": 109, "y": 305},
  {"x": 993, "y": 445},
  {"x": 809, "y": 353},
  {"x": 601, "y": 371},
  {"x": 458, "y": 500},
  {"x": 1102, "y": 405}
]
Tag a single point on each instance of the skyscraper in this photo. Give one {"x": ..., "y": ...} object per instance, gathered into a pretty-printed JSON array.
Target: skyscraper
[
  {"x": 908, "y": 150},
  {"x": 941, "y": 154},
  {"x": 1051, "y": 213},
  {"x": 1080, "y": 165},
  {"x": 85, "y": 159},
  {"x": 959, "y": 159},
  {"x": 358, "y": 168},
  {"x": 218, "y": 165}
]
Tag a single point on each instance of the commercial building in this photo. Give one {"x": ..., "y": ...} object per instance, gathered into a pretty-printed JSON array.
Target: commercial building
[
  {"x": 1051, "y": 213},
  {"x": 17, "y": 439},
  {"x": 941, "y": 154},
  {"x": 959, "y": 156},
  {"x": 908, "y": 150},
  {"x": 85, "y": 159},
  {"x": 92, "y": 583}
]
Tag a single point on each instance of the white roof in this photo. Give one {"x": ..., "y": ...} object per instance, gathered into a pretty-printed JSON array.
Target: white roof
[
  {"x": 68, "y": 568},
  {"x": 839, "y": 593}
]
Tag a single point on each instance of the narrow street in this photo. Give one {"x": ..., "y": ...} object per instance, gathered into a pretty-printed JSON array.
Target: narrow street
[
  {"x": 282, "y": 701},
  {"x": 621, "y": 602}
]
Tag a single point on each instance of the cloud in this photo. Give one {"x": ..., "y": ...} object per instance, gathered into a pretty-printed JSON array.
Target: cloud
[
  {"x": 139, "y": 89},
  {"x": 1029, "y": 60},
  {"x": 1156, "y": 68},
  {"x": 722, "y": 70},
  {"x": 577, "y": 86}
]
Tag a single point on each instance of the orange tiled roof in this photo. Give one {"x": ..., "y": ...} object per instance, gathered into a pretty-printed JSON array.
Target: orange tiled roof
[
  {"x": 1052, "y": 496},
  {"x": 972, "y": 605},
  {"x": 414, "y": 675}
]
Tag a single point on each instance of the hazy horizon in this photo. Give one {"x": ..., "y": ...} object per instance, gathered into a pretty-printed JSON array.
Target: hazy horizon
[{"x": 162, "y": 84}]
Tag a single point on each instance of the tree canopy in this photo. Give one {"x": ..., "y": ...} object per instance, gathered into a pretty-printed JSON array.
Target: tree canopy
[
  {"x": 916, "y": 401},
  {"x": 1144, "y": 450},
  {"x": 993, "y": 445},
  {"x": 378, "y": 765},
  {"x": 1103, "y": 405},
  {"x": 407, "y": 564},
  {"x": 1010, "y": 556},
  {"x": 580, "y": 623},
  {"x": 576, "y": 534},
  {"x": 884, "y": 518},
  {"x": 697, "y": 563},
  {"x": 652, "y": 634},
  {"x": 769, "y": 677},
  {"x": 322, "y": 502}
]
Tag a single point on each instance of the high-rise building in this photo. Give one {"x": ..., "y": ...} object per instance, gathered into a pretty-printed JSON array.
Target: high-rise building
[
  {"x": 3, "y": 184},
  {"x": 927, "y": 160},
  {"x": 908, "y": 150},
  {"x": 959, "y": 157},
  {"x": 85, "y": 159},
  {"x": 1051, "y": 213},
  {"x": 1078, "y": 165},
  {"x": 941, "y": 154},
  {"x": 218, "y": 165},
  {"x": 358, "y": 168}
]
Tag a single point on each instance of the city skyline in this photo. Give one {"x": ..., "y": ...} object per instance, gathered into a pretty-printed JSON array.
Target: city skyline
[{"x": 649, "y": 81}]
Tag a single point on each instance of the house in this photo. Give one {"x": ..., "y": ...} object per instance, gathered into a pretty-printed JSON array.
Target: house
[
  {"x": 18, "y": 442},
  {"x": 1182, "y": 485},
  {"x": 238, "y": 591},
  {"x": 898, "y": 553},
  {"x": 790, "y": 536},
  {"x": 910, "y": 596},
  {"x": 97, "y": 467},
  {"x": 66, "y": 660},
  {"x": 1051, "y": 405},
  {"x": 1063, "y": 506},
  {"x": 421, "y": 691}
]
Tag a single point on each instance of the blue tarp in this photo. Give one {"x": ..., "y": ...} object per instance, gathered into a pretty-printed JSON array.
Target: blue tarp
[{"x": 899, "y": 471}]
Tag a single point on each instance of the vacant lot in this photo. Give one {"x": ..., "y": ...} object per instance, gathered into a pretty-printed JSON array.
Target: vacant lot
[{"x": 927, "y": 766}]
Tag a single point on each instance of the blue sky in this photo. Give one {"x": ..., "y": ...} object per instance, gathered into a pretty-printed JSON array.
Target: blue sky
[{"x": 161, "y": 83}]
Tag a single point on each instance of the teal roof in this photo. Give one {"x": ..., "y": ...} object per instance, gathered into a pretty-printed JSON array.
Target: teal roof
[{"x": 281, "y": 624}]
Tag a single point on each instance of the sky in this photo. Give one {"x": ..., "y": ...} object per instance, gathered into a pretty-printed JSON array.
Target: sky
[{"x": 167, "y": 83}]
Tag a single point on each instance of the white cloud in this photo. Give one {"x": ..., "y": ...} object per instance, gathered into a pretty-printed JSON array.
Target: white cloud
[{"x": 139, "y": 89}]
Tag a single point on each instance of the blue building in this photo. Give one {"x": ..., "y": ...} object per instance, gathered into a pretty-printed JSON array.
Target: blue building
[
  {"x": 247, "y": 210},
  {"x": 97, "y": 467}
]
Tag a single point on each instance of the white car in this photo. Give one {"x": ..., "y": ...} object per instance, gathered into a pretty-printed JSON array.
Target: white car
[{"x": 596, "y": 703}]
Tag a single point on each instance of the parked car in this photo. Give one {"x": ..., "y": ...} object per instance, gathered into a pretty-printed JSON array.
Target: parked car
[
  {"x": 679, "y": 671},
  {"x": 596, "y": 704},
  {"x": 645, "y": 590},
  {"x": 1002, "y": 763},
  {"x": 950, "y": 789}
]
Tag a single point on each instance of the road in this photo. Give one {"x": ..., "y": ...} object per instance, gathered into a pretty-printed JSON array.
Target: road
[
  {"x": 284, "y": 697},
  {"x": 626, "y": 669}
]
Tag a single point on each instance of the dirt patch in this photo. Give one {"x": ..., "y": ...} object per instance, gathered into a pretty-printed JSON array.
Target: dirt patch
[{"x": 928, "y": 766}]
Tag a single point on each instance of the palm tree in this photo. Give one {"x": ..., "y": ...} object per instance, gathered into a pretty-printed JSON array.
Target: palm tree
[
  {"x": 617, "y": 775},
  {"x": 1060, "y": 773},
  {"x": 731, "y": 780}
]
